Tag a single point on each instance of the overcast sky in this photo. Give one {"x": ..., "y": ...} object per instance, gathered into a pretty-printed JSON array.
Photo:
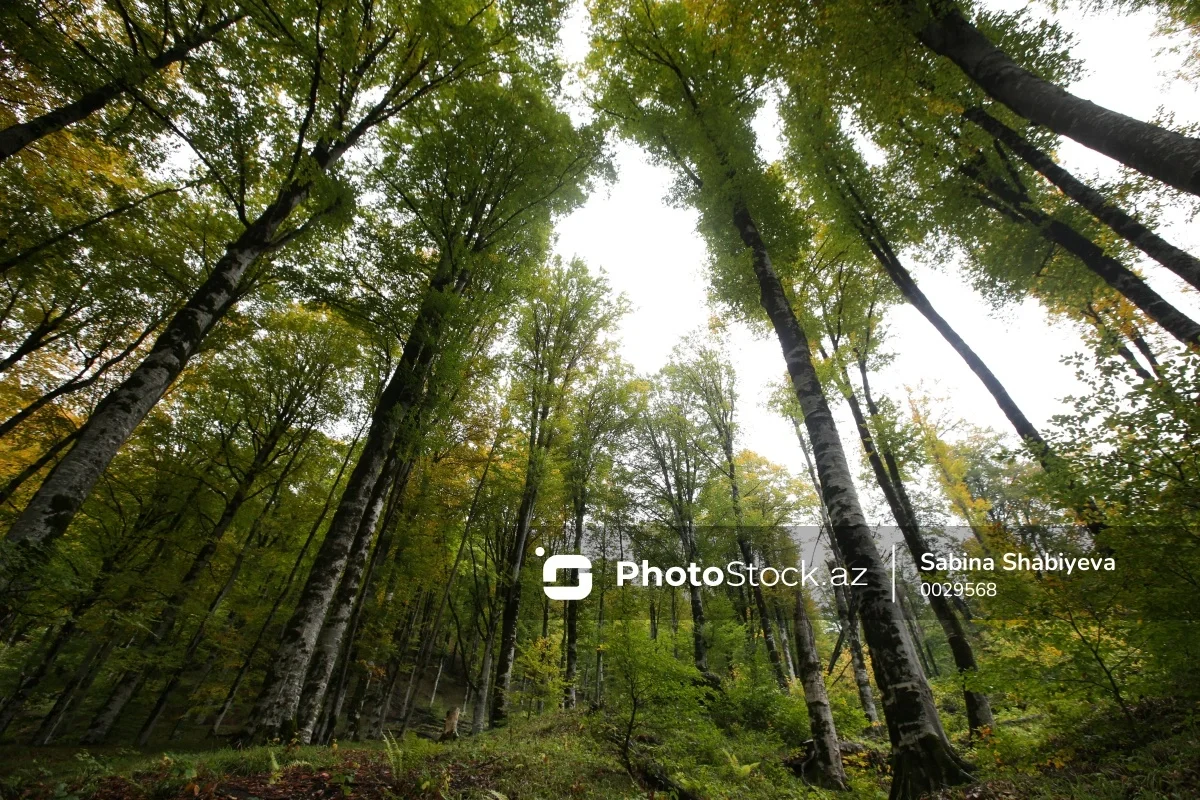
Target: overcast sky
[{"x": 652, "y": 253}]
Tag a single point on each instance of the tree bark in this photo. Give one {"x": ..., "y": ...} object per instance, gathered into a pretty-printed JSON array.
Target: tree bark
[
  {"x": 1182, "y": 263},
  {"x": 829, "y": 771},
  {"x": 922, "y": 758},
  {"x": 979, "y": 712},
  {"x": 392, "y": 426},
  {"x": 1166, "y": 155},
  {"x": 511, "y": 593},
  {"x": 330, "y": 640},
  {"x": 55, "y": 503},
  {"x": 15, "y": 137},
  {"x": 847, "y": 620},
  {"x": 1014, "y": 204}
]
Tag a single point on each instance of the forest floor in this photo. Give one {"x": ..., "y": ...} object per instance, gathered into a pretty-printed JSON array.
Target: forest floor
[{"x": 571, "y": 756}]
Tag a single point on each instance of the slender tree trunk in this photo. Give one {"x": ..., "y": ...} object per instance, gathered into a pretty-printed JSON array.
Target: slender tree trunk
[
  {"x": 427, "y": 646},
  {"x": 699, "y": 645},
  {"x": 15, "y": 137},
  {"x": 875, "y": 239},
  {"x": 19, "y": 479},
  {"x": 28, "y": 680},
  {"x": 59, "y": 497},
  {"x": 357, "y": 701},
  {"x": 760, "y": 602},
  {"x": 80, "y": 381},
  {"x": 389, "y": 692},
  {"x": 785, "y": 645},
  {"x": 437, "y": 676},
  {"x": 479, "y": 713},
  {"x": 829, "y": 771},
  {"x": 914, "y": 625},
  {"x": 900, "y": 276},
  {"x": 511, "y": 585},
  {"x": 16, "y": 700},
  {"x": 391, "y": 427},
  {"x": 847, "y": 620},
  {"x": 81, "y": 680},
  {"x": 572, "y": 619},
  {"x": 329, "y": 641},
  {"x": 227, "y": 704},
  {"x": 197, "y": 639},
  {"x": 1120, "y": 278},
  {"x": 979, "y": 712},
  {"x": 132, "y": 680},
  {"x": 1182, "y": 263},
  {"x": 922, "y": 757},
  {"x": 1166, "y": 155}
]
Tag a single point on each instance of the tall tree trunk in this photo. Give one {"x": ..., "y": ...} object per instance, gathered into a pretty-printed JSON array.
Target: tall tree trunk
[
  {"x": 1182, "y": 263},
  {"x": 230, "y": 695},
  {"x": 29, "y": 681},
  {"x": 764, "y": 616},
  {"x": 511, "y": 591},
  {"x": 59, "y": 497},
  {"x": 81, "y": 679},
  {"x": 330, "y": 640},
  {"x": 829, "y": 771},
  {"x": 874, "y": 238},
  {"x": 922, "y": 757},
  {"x": 15, "y": 137},
  {"x": 785, "y": 645},
  {"x": 696, "y": 601},
  {"x": 1166, "y": 155},
  {"x": 979, "y": 711},
  {"x": 427, "y": 646},
  {"x": 197, "y": 639},
  {"x": 914, "y": 625},
  {"x": 418, "y": 625},
  {"x": 479, "y": 713},
  {"x": 572, "y": 619},
  {"x": 1015, "y": 205},
  {"x": 847, "y": 620},
  {"x": 391, "y": 427},
  {"x": 132, "y": 680}
]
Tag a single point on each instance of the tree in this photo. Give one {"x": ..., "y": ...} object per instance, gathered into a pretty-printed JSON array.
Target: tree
[
  {"x": 1166, "y": 155},
  {"x": 706, "y": 378},
  {"x": 558, "y": 334},
  {"x": 673, "y": 83},
  {"x": 155, "y": 38},
  {"x": 486, "y": 219},
  {"x": 672, "y": 466},
  {"x": 599, "y": 418},
  {"x": 387, "y": 78}
]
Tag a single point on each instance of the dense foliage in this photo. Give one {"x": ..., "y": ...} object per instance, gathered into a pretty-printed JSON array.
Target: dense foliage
[{"x": 296, "y": 397}]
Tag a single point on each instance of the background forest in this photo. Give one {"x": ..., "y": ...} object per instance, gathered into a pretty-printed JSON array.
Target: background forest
[{"x": 296, "y": 395}]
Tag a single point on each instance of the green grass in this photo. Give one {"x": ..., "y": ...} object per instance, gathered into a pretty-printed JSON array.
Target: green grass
[{"x": 573, "y": 755}]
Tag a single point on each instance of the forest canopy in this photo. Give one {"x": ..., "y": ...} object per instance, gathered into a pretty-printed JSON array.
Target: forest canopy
[{"x": 302, "y": 401}]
